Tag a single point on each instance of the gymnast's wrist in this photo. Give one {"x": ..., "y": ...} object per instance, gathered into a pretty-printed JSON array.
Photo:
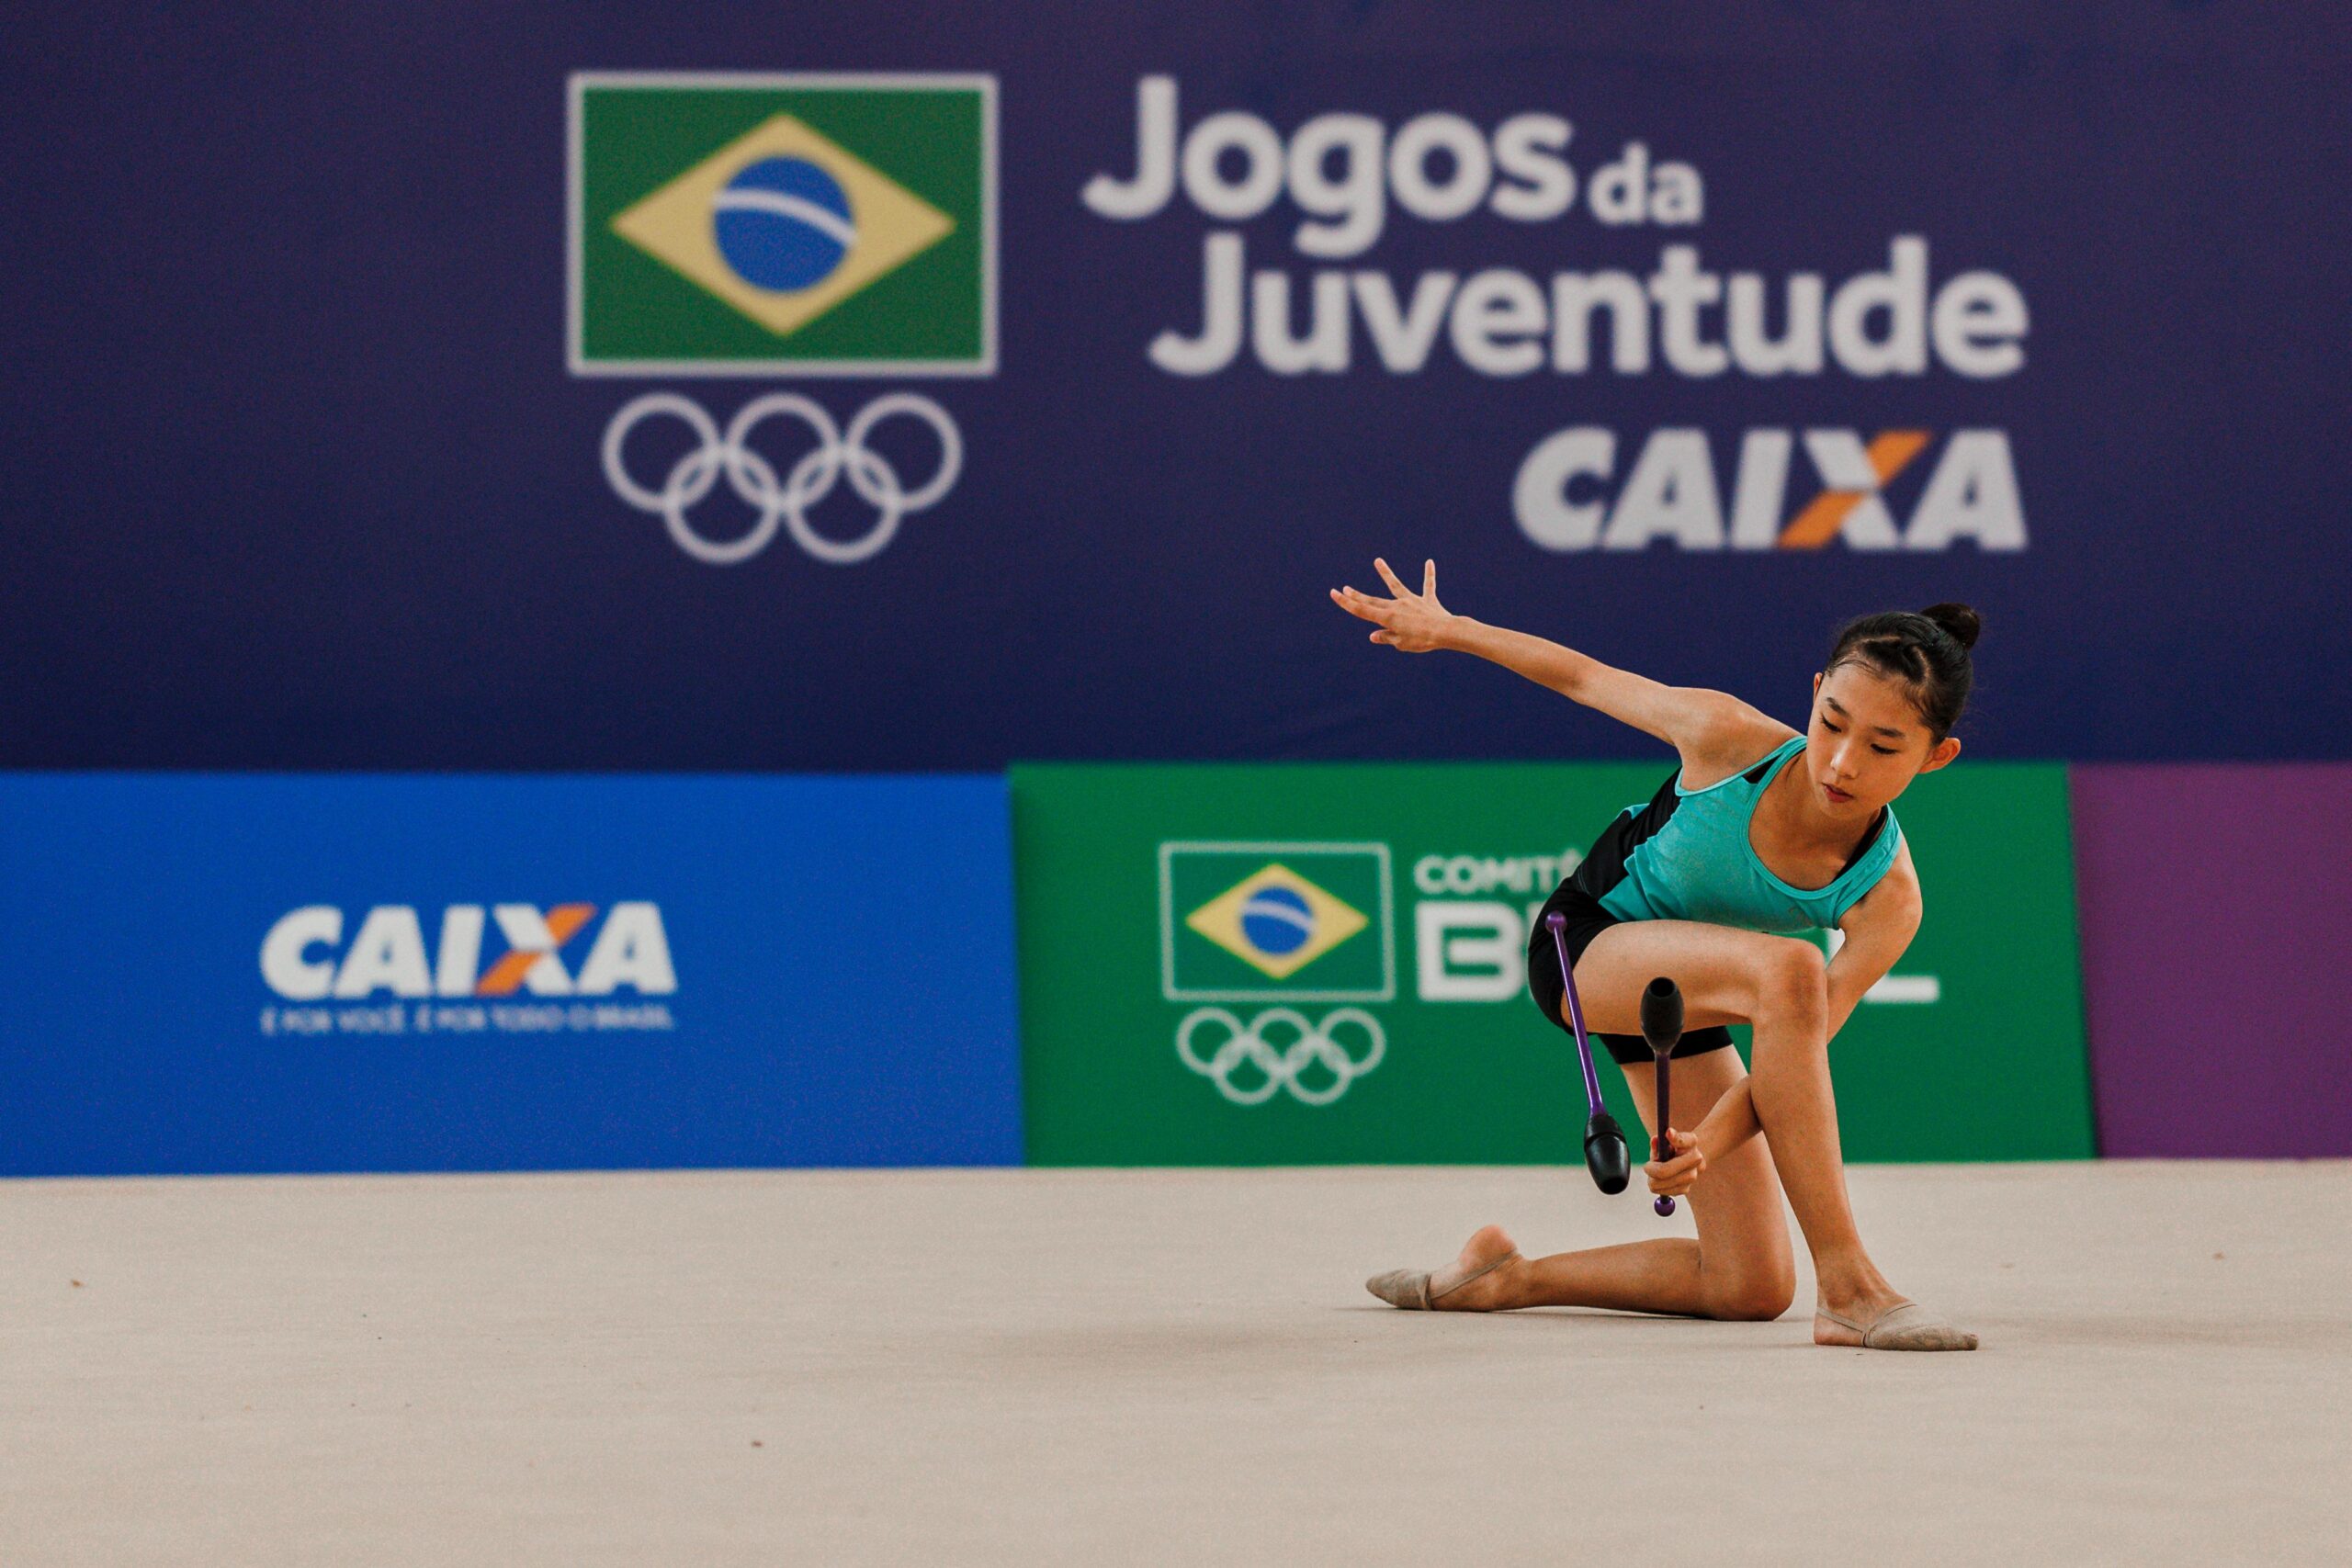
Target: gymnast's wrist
[
  {"x": 1457, "y": 634},
  {"x": 1718, "y": 1134}
]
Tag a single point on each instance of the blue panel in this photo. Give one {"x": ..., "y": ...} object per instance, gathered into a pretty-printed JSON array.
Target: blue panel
[
  {"x": 793, "y": 971},
  {"x": 297, "y": 475}
]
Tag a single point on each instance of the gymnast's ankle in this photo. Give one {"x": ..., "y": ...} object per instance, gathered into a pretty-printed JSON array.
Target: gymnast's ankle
[
  {"x": 1481, "y": 1256},
  {"x": 1858, "y": 1286}
]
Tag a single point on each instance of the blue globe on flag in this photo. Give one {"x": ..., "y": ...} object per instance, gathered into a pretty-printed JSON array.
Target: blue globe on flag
[
  {"x": 1276, "y": 920},
  {"x": 783, "y": 224}
]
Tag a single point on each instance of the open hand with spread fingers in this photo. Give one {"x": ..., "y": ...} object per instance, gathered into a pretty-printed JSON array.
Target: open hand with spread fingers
[{"x": 1410, "y": 623}]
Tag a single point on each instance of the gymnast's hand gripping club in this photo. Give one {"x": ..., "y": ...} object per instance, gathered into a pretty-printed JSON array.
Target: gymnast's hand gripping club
[
  {"x": 1604, "y": 1142},
  {"x": 1662, "y": 1027}
]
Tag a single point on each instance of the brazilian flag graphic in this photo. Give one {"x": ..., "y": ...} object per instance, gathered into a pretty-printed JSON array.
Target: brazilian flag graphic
[
  {"x": 1262, "y": 920},
  {"x": 729, "y": 224}
]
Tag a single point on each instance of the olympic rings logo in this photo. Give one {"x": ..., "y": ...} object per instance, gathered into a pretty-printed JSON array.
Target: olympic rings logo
[
  {"x": 754, "y": 477},
  {"x": 1282, "y": 1066}
]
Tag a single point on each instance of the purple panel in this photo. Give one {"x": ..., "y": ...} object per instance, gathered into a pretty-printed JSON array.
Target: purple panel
[{"x": 2217, "y": 956}]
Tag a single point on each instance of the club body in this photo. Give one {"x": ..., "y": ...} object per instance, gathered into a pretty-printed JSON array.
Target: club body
[{"x": 1607, "y": 1155}]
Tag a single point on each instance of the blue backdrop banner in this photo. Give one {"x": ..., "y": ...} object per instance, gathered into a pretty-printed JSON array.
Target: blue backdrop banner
[
  {"x": 305, "y": 973},
  {"x": 910, "y": 386}
]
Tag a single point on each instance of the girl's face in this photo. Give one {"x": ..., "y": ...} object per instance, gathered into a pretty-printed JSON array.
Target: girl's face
[{"x": 1866, "y": 742}]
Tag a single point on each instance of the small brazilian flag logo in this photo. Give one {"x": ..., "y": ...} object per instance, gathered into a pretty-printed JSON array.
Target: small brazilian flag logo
[
  {"x": 729, "y": 224},
  {"x": 1254, "y": 921}
]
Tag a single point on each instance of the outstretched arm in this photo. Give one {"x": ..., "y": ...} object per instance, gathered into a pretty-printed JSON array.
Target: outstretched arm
[{"x": 1683, "y": 716}]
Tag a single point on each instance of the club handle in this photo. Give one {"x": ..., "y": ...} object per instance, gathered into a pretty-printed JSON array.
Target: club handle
[
  {"x": 1556, "y": 923},
  {"x": 1662, "y": 1027},
  {"x": 1659, "y": 1149}
]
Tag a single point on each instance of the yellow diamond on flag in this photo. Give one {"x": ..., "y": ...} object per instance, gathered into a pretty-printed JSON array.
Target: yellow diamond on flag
[
  {"x": 1276, "y": 921},
  {"x": 783, "y": 224}
]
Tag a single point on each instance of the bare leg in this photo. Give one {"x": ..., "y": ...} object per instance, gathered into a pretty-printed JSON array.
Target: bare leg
[
  {"x": 1780, "y": 984},
  {"x": 1739, "y": 1267}
]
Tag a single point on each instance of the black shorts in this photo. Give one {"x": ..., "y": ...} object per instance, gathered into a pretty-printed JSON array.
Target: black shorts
[{"x": 1587, "y": 920}]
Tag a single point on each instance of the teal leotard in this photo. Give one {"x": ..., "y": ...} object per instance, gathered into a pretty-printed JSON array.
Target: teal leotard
[{"x": 1685, "y": 855}]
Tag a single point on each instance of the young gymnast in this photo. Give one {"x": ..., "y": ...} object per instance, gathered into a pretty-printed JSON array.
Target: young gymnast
[{"x": 1762, "y": 834}]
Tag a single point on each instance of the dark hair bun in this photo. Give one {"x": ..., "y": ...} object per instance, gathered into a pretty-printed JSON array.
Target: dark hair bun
[{"x": 1963, "y": 623}]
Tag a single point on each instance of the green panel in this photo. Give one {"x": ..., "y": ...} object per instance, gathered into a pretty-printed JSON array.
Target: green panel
[
  {"x": 1129, "y": 959},
  {"x": 1997, "y": 1068},
  {"x": 931, "y": 140}
]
